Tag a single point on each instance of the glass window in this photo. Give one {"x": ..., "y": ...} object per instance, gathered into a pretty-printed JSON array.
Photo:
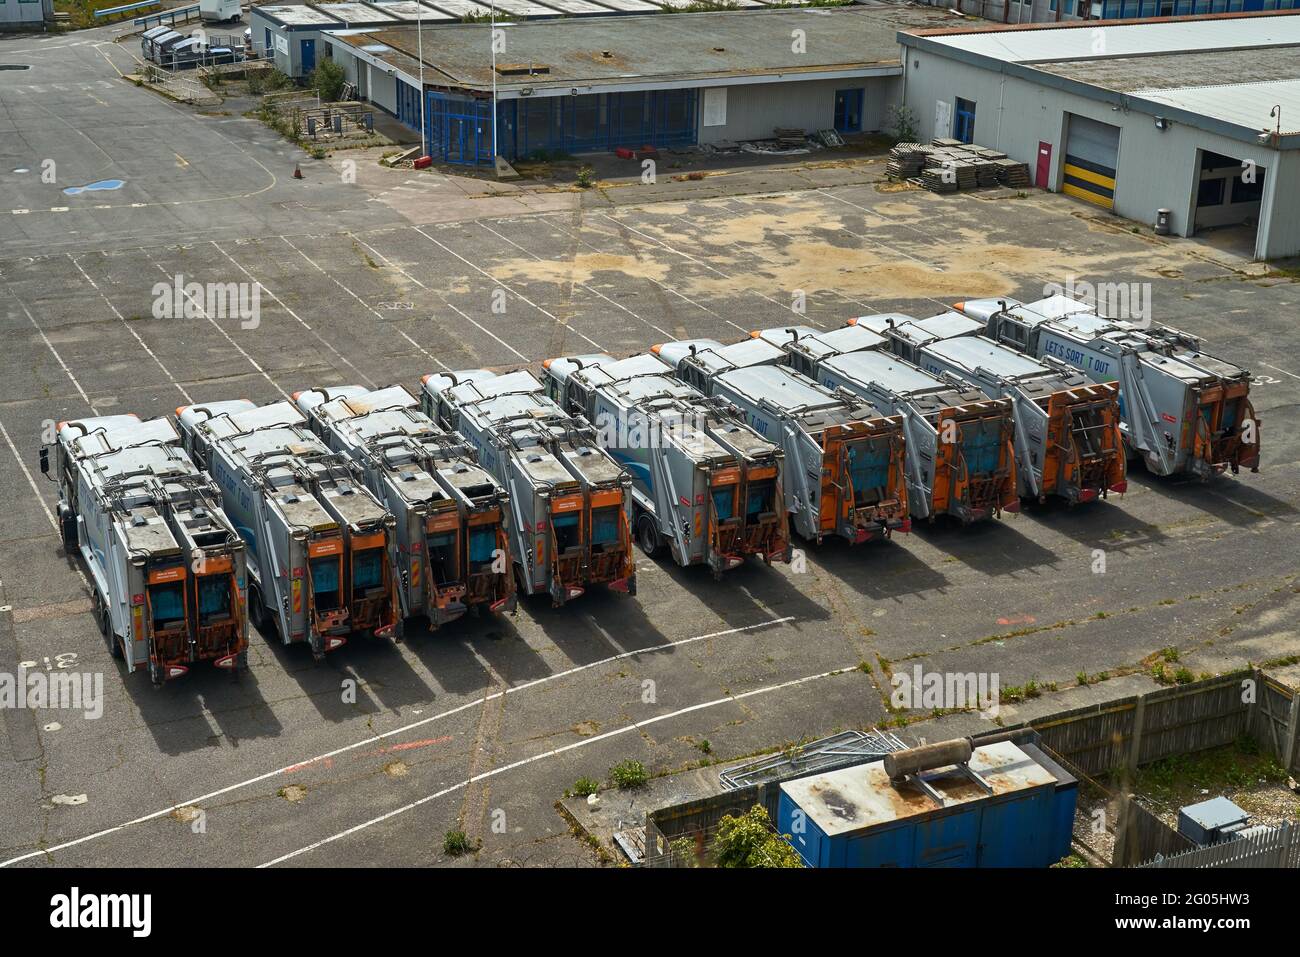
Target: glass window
[
  {"x": 566, "y": 532},
  {"x": 759, "y": 500},
  {"x": 1210, "y": 192}
]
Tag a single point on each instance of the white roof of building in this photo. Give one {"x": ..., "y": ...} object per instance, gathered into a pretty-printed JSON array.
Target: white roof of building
[
  {"x": 1243, "y": 104},
  {"x": 1131, "y": 39}
]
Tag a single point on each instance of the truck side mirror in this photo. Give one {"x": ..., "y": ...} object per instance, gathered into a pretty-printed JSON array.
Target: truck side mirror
[{"x": 45, "y": 460}]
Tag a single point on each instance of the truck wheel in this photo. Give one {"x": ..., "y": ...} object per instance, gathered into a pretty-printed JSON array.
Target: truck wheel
[
  {"x": 647, "y": 536},
  {"x": 68, "y": 529},
  {"x": 155, "y": 675},
  {"x": 257, "y": 610},
  {"x": 105, "y": 622}
]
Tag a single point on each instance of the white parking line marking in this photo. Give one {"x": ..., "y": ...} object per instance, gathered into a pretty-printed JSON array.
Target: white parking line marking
[
  {"x": 585, "y": 742},
  {"x": 199, "y": 305},
  {"x": 49, "y": 345},
  {"x": 30, "y": 481},
  {"x": 519, "y": 295},
  {"x": 265, "y": 288},
  {"x": 377, "y": 314},
  {"x": 143, "y": 345},
  {"x": 1283, "y": 371},
  {"x": 580, "y": 285},
  {"x": 476, "y": 703},
  {"x": 458, "y": 312}
]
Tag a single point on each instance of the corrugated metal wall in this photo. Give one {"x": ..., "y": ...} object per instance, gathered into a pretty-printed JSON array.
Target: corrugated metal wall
[
  {"x": 754, "y": 110},
  {"x": 1157, "y": 168}
]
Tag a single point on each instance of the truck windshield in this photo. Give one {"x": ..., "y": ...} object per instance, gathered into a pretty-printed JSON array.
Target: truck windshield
[
  {"x": 442, "y": 556},
  {"x": 325, "y": 581},
  {"x": 214, "y": 597},
  {"x": 367, "y": 569},
  {"x": 167, "y": 604},
  {"x": 604, "y": 525}
]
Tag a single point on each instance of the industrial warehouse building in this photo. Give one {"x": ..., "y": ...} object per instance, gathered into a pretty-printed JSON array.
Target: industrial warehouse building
[
  {"x": 1133, "y": 116},
  {"x": 587, "y": 84},
  {"x": 1064, "y": 11},
  {"x": 25, "y": 14}
]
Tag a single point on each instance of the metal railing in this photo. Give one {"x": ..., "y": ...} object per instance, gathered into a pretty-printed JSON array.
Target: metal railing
[{"x": 1262, "y": 847}]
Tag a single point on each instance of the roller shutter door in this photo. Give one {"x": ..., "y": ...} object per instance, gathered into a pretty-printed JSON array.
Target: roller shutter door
[{"x": 1090, "y": 157}]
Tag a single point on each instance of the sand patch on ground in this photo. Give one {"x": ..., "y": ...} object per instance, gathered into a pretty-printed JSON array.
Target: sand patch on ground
[{"x": 580, "y": 269}]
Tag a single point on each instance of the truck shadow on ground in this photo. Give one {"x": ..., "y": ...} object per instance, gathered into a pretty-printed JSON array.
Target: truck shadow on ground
[
  {"x": 464, "y": 654},
  {"x": 1230, "y": 498},
  {"x": 180, "y": 715},
  {"x": 877, "y": 570},
  {"x": 600, "y": 624},
  {"x": 993, "y": 547},
  {"x": 1101, "y": 524}
]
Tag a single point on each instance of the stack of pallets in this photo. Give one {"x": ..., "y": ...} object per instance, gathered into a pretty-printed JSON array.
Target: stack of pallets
[
  {"x": 906, "y": 160},
  {"x": 1011, "y": 173},
  {"x": 789, "y": 138}
]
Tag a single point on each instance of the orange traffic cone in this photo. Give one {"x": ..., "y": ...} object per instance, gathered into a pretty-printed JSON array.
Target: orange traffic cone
[{"x": 297, "y": 172}]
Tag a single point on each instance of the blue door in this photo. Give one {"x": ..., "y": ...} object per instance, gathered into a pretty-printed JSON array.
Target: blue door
[
  {"x": 848, "y": 111},
  {"x": 308, "y": 49},
  {"x": 964, "y": 127}
]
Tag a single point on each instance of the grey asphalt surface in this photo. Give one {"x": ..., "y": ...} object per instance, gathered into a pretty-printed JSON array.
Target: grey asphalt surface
[{"x": 483, "y": 725}]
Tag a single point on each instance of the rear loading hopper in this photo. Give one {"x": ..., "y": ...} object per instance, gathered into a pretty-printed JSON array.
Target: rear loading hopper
[
  {"x": 703, "y": 483},
  {"x": 453, "y": 551},
  {"x": 569, "y": 500},
  {"x": 1067, "y": 436},
  {"x": 1182, "y": 410},
  {"x": 960, "y": 443},
  {"x": 322, "y": 548}
]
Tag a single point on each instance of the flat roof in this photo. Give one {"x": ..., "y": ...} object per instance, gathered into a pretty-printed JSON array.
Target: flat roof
[
  {"x": 592, "y": 53},
  {"x": 295, "y": 15},
  {"x": 1171, "y": 66},
  {"x": 411, "y": 10}
]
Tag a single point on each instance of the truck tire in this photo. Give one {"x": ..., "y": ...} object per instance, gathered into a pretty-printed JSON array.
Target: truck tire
[
  {"x": 256, "y": 610},
  {"x": 105, "y": 622},
  {"x": 647, "y": 536},
  {"x": 68, "y": 529}
]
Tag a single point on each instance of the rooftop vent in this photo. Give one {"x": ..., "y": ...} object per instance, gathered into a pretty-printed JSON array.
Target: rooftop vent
[{"x": 522, "y": 69}]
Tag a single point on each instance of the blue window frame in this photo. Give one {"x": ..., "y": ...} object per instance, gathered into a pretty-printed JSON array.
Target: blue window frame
[
  {"x": 848, "y": 111},
  {"x": 964, "y": 124}
]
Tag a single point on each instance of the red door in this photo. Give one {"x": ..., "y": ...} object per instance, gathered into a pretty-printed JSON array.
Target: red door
[{"x": 1044, "y": 170}]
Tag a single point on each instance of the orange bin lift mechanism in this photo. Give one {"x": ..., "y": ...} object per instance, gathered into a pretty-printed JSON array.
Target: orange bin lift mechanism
[
  {"x": 1066, "y": 463},
  {"x": 953, "y": 484},
  {"x": 449, "y": 593},
  {"x": 226, "y": 637},
  {"x": 617, "y": 563},
  {"x": 764, "y": 537},
  {"x": 567, "y": 571},
  {"x": 379, "y": 613},
  {"x": 328, "y": 621},
  {"x": 167, "y": 646},
  {"x": 489, "y": 586},
  {"x": 838, "y": 499},
  {"x": 1228, "y": 451}
]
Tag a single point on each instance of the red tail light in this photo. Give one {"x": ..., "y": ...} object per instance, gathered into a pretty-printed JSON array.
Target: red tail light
[
  {"x": 1013, "y": 506},
  {"x": 1087, "y": 494},
  {"x": 227, "y": 661},
  {"x": 332, "y": 643},
  {"x": 906, "y": 526},
  {"x": 175, "y": 671},
  {"x": 1120, "y": 487}
]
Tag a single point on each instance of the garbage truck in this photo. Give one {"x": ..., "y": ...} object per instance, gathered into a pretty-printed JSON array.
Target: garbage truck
[
  {"x": 570, "y": 501},
  {"x": 1067, "y": 435},
  {"x": 1182, "y": 410},
  {"x": 321, "y": 547},
  {"x": 453, "y": 550},
  {"x": 845, "y": 463},
  {"x": 703, "y": 483},
  {"x": 960, "y": 443},
  {"x": 166, "y": 565}
]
